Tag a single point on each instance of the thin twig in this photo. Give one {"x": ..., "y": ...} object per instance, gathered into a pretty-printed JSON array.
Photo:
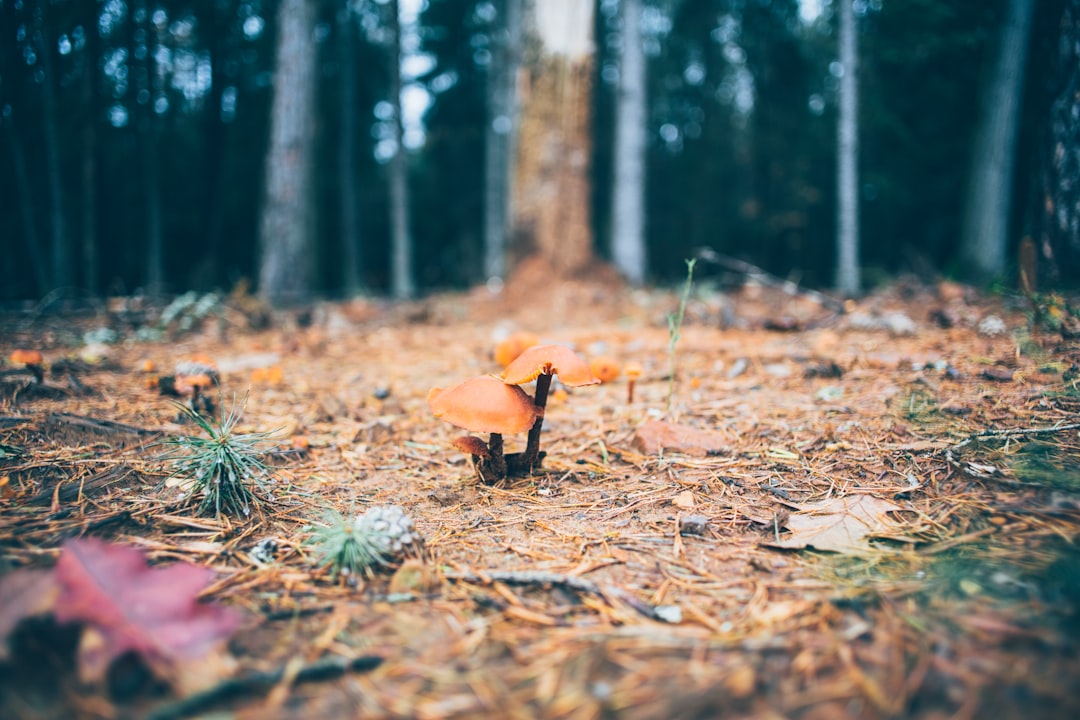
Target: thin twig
[
  {"x": 741, "y": 266},
  {"x": 324, "y": 669},
  {"x": 1011, "y": 433}
]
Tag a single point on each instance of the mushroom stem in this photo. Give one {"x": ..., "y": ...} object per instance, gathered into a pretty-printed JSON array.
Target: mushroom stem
[
  {"x": 497, "y": 464},
  {"x": 532, "y": 457},
  {"x": 38, "y": 372},
  {"x": 630, "y": 391}
]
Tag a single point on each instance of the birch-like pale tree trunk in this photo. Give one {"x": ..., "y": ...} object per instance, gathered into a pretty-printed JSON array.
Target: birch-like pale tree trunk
[
  {"x": 500, "y": 135},
  {"x": 628, "y": 193},
  {"x": 401, "y": 249},
  {"x": 552, "y": 189},
  {"x": 847, "y": 150},
  {"x": 985, "y": 242},
  {"x": 287, "y": 222}
]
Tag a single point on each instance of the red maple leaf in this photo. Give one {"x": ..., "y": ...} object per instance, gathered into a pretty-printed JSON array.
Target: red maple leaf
[{"x": 128, "y": 606}]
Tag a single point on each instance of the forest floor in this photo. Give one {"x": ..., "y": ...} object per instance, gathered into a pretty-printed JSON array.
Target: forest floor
[{"x": 870, "y": 514}]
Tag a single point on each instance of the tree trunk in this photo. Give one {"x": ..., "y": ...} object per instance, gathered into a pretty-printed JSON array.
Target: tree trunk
[
  {"x": 61, "y": 248},
  {"x": 146, "y": 128},
  {"x": 847, "y": 151},
  {"x": 90, "y": 93},
  {"x": 986, "y": 224},
  {"x": 349, "y": 182},
  {"x": 628, "y": 192},
  {"x": 286, "y": 227},
  {"x": 401, "y": 272},
  {"x": 1060, "y": 166},
  {"x": 499, "y": 136},
  {"x": 552, "y": 191},
  {"x": 26, "y": 206}
]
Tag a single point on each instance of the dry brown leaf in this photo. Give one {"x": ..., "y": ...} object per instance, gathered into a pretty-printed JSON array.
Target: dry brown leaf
[
  {"x": 839, "y": 524},
  {"x": 656, "y": 436}
]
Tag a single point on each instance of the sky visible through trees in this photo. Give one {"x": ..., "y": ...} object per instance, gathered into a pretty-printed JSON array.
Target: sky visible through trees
[{"x": 136, "y": 136}]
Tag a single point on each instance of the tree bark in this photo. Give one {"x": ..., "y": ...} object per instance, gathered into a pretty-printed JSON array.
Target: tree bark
[
  {"x": 147, "y": 127},
  {"x": 401, "y": 271},
  {"x": 847, "y": 150},
  {"x": 349, "y": 182},
  {"x": 628, "y": 192},
  {"x": 552, "y": 190},
  {"x": 1060, "y": 165},
  {"x": 500, "y": 135},
  {"x": 60, "y": 242},
  {"x": 90, "y": 93},
  {"x": 286, "y": 229},
  {"x": 985, "y": 242}
]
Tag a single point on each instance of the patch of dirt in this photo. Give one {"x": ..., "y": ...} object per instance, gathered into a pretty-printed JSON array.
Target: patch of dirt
[{"x": 573, "y": 592}]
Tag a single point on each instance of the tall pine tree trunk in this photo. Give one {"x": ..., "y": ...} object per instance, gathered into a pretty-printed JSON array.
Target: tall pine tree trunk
[
  {"x": 347, "y": 173},
  {"x": 90, "y": 92},
  {"x": 401, "y": 257},
  {"x": 286, "y": 229},
  {"x": 499, "y": 136},
  {"x": 628, "y": 193},
  {"x": 552, "y": 190},
  {"x": 1060, "y": 162},
  {"x": 984, "y": 246},
  {"x": 847, "y": 149},
  {"x": 60, "y": 242}
]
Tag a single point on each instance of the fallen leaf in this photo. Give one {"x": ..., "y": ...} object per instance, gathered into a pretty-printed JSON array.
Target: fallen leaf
[
  {"x": 131, "y": 607},
  {"x": 840, "y": 524},
  {"x": 685, "y": 499},
  {"x": 656, "y": 436},
  {"x": 24, "y": 594}
]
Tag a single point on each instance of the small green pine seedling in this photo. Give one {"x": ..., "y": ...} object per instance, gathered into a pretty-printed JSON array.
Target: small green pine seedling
[
  {"x": 221, "y": 465},
  {"x": 674, "y": 321},
  {"x": 351, "y": 546}
]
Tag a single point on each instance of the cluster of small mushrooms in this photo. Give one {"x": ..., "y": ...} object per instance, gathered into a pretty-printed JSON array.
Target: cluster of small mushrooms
[{"x": 498, "y": 406}]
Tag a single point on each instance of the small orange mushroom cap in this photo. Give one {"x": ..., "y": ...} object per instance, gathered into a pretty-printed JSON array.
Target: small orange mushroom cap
[
  {"x": 604, "y": 368},
  {"x": 508, "y": 350},
  {"x": 633, "y": 370},
  {"x": 26, "y": 357},
  {"x": 484, "y": 404},
  {"x": 471, "y": 445},
  {"x": 559, "y": 360}
]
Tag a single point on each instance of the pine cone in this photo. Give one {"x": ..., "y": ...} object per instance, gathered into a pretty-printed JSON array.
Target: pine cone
[{"x": 389, "y": 528}]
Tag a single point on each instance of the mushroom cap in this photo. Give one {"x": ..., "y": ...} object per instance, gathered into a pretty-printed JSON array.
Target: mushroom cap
[
  {"x": 549, "y": 360},
  {"x": 472, "y": 445},
  {"x": 26, "y": 357},
  {"x": 633, "y": 370},
  {"x": 604, "y": 368},
  {"x": 484, "y": 404},
  {"x": 508, "y": 350}
]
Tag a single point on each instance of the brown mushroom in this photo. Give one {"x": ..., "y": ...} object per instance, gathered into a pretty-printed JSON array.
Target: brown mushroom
[
  {"x": 33, "y": 361},
  {"x": 485, "y": 404},
  {"x": 541, "y": 363},
  {"x": 633, "y": 372}
]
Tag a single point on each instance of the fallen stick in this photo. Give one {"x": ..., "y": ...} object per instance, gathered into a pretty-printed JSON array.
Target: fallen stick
[
  {"x": 753, "y": 271},
  {"x": 1009, "y": 433},
  {"x": 255, "y": 682}
]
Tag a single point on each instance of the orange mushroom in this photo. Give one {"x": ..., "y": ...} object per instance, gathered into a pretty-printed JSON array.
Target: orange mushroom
[
  {"x": 484, "y": 404},
  {"x": 541, "y": 363},
  {"x": 633, "y": 372},
  {"x": 604, "y": 368},
  {"x": 193, "y": 377},
  {"x": 33, "y": 361},
  {"x": 508, "y": 350}
]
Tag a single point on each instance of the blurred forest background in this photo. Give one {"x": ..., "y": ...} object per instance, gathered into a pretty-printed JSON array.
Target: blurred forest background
[{"x": 334, "y": 147}]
